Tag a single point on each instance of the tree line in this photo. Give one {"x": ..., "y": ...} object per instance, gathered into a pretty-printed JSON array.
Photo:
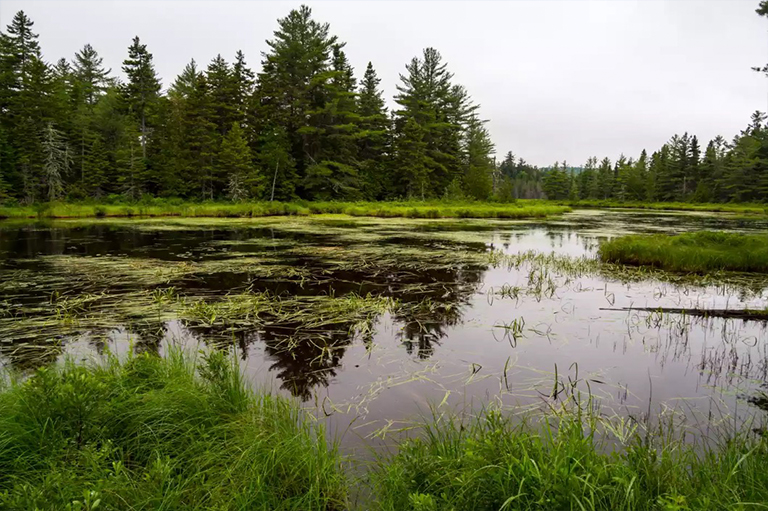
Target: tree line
[
  {"x": 305, "y": 127},
  {"x": 680, "y": 170}
]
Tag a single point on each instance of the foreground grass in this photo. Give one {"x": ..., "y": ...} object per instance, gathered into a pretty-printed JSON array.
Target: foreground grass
[
  {"x": 698, "y": 252},
  {"x": 160, "y": 208},
  {"x": 168, "y": 433},
  {"x": 492, "y": 464},
  {"x": 156, "y": 433}
]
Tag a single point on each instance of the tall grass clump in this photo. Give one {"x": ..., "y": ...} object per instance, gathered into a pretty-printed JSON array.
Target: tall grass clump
[
  {"x": 159, "y": 433},
  {"x": 696, "y": 252},
  {"x": 491, "y": 463}
]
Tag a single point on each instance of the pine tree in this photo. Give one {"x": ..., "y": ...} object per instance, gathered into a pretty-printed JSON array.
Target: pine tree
[
  {"x": 24, "y": 47},
  {"x": 635, "y": 183},
  {"x": 200, "y": 141},
  {"x": 222, "y": 90},
  {"x": 90, "y": 82},
  {"x": 373, "y": 137},
  {"x": 58, "y": 161},
  {"x": 143, "y": 87},
  {"x": 556, "y": 183},
  {"x": 605, "y": 180},
  {"x": 236, "y": 160},
  {"x": 412, "y": 177},
  {"x": 243, "y": 78},
  {"x": 277, "y": 165},
  {"x": 26, "y": 92},
  {"x": 186, "y": 82},
  {"x": 91, "y": 77},
  {"x": 441, "y": 110},
  {"x": 331, "y": 180},
  {"x": 290, "y": 86},
  {"x": 478, "y": 179},
  {"x": 331, "y": 133}
]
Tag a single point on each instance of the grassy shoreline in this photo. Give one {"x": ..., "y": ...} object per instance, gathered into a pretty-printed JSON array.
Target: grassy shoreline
[
  {"x": 492, "y": 463},
  {"x": 745, "y": 209},
  {"x": 160, "y": 433},
  {"x": 528, "y": 208},
  {"x": 160, "y": 208},
  {"x": 696, "y": 252},
  {"x": 177, "y": 433}
]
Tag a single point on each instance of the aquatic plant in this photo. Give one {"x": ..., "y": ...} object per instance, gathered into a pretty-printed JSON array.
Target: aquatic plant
[{"x": 697, "y": 252}]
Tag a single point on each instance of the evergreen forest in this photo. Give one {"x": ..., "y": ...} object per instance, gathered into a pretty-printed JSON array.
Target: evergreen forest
[{"x": 306, "y": 125}]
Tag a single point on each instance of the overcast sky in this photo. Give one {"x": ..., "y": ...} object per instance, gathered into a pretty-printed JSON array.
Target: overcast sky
[{"x": 558, "y": 80}]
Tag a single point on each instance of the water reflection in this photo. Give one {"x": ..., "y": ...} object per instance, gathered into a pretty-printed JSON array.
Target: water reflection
[{"x": 451, "y": 303}]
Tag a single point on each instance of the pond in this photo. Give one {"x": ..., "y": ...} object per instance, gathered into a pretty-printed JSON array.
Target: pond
[{"x": 369, "y": 322}]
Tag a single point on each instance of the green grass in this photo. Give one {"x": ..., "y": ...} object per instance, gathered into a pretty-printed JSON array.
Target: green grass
[
  {"x": 170, "y": 433},
  {"x": 490, "y": 463},
  {"x": 161, "y": 208},
  {"x": 698, "y": 252},
  {"x": 154, "y": 433},
  {"x": 747, "y": 209},
  {"x": 532, "y": 208}
]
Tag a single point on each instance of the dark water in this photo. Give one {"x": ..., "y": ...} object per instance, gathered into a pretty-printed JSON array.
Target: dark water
[{"x": 465, "y": 332}]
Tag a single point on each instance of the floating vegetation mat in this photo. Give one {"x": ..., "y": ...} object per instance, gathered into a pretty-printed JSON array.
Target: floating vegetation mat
[{"x": 370, "y": 320}]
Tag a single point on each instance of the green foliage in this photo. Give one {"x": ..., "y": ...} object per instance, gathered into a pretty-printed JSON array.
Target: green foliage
[
  {"x": 556, "y": 183},
  {"x": 313, "y": 132},
  {"x": 479, "y": 149},
  {"x": 330, "y": 180},
  {"x": 493, "y": 463},
  {"x": 699, "y": 252},
  {"x": 236, "y": 161},
  {"x": 152, "y": 433}
]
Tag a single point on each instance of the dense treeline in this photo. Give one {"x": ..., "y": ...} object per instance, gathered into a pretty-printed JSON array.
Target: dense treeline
[
  {"x": 304, "y": 127},
  {"x": 679, "y": 171}
]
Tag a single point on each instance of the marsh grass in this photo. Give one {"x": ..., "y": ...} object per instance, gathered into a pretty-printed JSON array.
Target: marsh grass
[
  {"x": 492, "y": 462},
  {"x": 745, "y": 209},
  {"x": 698, "y": 252},
  {"x": 352, "y": 313},
  {"x": 408, "y": 209},
  {"x": 160, "y": 433}
]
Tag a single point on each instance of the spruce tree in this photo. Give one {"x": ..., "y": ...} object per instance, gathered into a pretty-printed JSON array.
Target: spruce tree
[
  {"x": 244, "y": 82},
  {"x": 412, "y": 177},
  {"x": 373, "y": 137},
  {"x": 142, "y": 89},
  {"x": 478, "y": 177},
  {"x": 90, "y": 75},
  {"x": 331, "y": 137},
  {"x": 222, "y": 90},
  {"x": 90, "y": 82},
  {"x": 235, "y": 158},
  {"x": 441, "y": 109},
  {"x": 58, "y": 161},
  {"x": 290, "y": 87}
]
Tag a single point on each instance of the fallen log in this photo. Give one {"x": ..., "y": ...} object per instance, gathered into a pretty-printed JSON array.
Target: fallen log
[{"x": 745, "y": 314}]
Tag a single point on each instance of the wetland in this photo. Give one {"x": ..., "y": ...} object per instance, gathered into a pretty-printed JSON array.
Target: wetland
[{"x": 373, "y": 326}]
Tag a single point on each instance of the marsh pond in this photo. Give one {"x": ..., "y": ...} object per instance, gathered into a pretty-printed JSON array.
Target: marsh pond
[{"x": 370, "y": 322}]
